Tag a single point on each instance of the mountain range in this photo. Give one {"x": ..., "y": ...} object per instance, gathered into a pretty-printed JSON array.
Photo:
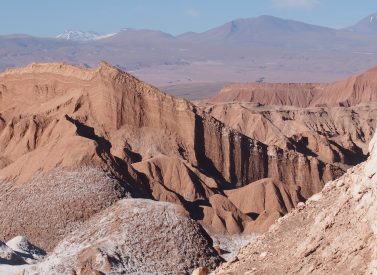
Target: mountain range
[
  {"x": 265, "y": 47},
  {"x": 246, "y": 30}
]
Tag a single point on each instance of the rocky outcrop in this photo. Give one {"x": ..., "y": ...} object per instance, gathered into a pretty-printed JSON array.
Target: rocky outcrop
[
  {"x": 349, "y": 92},
  {"x": 269, "y": 195},
  {"x": 333, "y": 233},
  {"x": 223, "y": 217},
  {"x": 176, "y": 180},
  {"x": 133, "y": 236},
  {"x": 334, "y": 135},
  {"x": 26, "y": 250},
  {"x": 113, "y": 111},
  {"x": 74, "y": 141},
  {"x": 8, "y": 256},
  {"x": 241, "y": 210},
  {"x": 18, "y": 252},
  {"x": 292, "y": 94}
]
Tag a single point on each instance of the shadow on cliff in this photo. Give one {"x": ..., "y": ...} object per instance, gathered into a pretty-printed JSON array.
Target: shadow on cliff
[{"x": 119, "y": 168}]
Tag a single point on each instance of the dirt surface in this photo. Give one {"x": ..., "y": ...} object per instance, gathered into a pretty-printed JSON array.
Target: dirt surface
[{"x": 133, "y": 236}]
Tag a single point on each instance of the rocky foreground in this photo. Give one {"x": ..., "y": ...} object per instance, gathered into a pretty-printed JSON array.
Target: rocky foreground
[
  {"x": 132, "y": 236},
  {"x": 334, "y": 232}
]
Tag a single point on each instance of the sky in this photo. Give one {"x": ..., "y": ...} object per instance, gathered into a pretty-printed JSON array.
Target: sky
[{"x": 50, "y": 17}]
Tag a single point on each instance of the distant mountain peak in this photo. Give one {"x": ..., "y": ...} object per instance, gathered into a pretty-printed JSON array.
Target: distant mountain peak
[
  {"x": 77, "y": 35},
  {"x": 367, "y": 25}
]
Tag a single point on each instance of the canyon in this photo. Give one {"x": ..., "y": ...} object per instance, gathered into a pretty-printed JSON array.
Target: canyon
[
  {"x": 88, "y": 155},
  {"x": 332, "y": 233}
]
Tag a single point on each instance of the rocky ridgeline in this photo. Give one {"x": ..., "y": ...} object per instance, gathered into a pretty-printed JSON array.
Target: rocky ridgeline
[
  {"x": 56, "y": 118},
  {"x": 349, "y": 92}
]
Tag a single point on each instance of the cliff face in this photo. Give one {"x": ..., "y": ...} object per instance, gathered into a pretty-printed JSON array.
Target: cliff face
[
  {"x": 332, "y": 134},
  {"x": 56, "y": 116},
  {"x": 333, "y": 233},
  {"x": 115, "y": 110},
  {"x": 292, "y": 94}
]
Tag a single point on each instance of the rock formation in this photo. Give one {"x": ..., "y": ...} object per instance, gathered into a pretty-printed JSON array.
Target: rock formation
[
  {"x": 334, "y": 135},
  {"x": 17, "y": 253},
  {"x": 333, "y": 233},
  {"x": 349, "y": 92},
  {"x": 8, "y": 256},
  {"x": 28, "y": 251},
  {"x": 265, "y": 200},
  {"x": 77, "y": 146},
  {"x": 73, "y": 141}
]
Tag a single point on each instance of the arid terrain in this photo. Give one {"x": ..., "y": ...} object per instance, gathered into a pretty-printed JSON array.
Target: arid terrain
[
  {"x": 264, "y": 48},
  {"x": 333, "y": 122},
  {"x": 101, "y": 172},
  {"x": 332, "y": 233}
]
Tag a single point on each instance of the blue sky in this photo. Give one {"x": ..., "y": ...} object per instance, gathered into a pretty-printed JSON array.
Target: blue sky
[{"x": 51, "y": 17}]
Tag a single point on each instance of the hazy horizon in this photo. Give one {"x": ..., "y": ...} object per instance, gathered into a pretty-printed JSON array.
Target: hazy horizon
[{"x": 48, "y": 19}]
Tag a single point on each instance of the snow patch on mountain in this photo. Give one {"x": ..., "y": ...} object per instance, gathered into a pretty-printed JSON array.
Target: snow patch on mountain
[{"x": 77, "y": 35}]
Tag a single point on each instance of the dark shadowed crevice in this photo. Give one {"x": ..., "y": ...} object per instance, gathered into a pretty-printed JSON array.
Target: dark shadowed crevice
[
  {"x": 205, "y": 165},
  {"x": 118, "y": 167},
  {"x": 232, "y": 165}
]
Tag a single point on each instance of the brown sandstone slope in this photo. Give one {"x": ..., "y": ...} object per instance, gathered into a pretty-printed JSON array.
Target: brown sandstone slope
[
  {"x": 336, "y": 134},
  {"x": 295, "y": 94},
  {"x": 333, "y": 233},
  {"x": 273, "y": 195},
  {"x": 112, "y": 103},
  {"x": 128, "y": 120},
  {"x": 349, "y": 92},
  {"x": 174, "y": 180},
  {"x": 57, "y": 119}
]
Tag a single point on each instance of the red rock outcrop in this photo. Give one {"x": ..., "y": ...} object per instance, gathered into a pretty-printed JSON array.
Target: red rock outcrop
[
  {"x": 292, "y": 94},
  {"x": 137, "y": 141},
  {"x": 265, "y": 195},
  {"x": 332, "y": 134},
  {"x": 349, "y": 92},
  {"x": 333, "y": 233}
]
